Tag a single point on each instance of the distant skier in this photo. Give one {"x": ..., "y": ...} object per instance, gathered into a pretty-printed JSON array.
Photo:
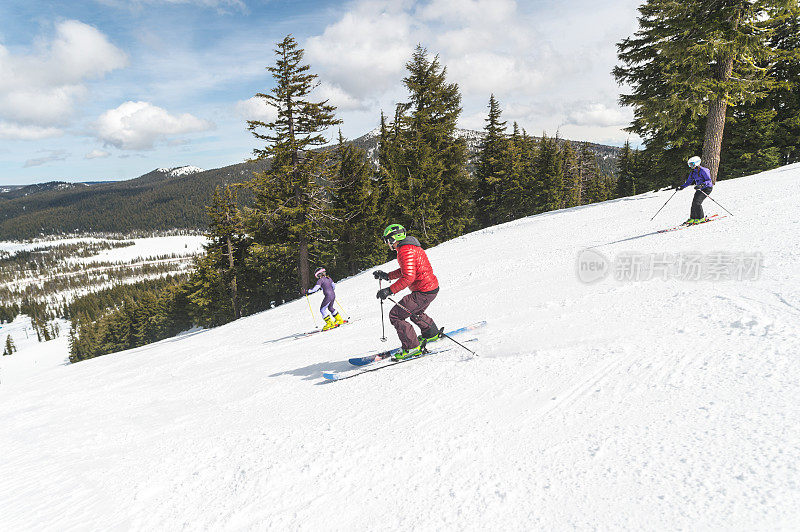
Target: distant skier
[
  {"x": 700, "y": 177},
  {"x": 415, "y": 273},
  {"x": 329, "y": 314}
]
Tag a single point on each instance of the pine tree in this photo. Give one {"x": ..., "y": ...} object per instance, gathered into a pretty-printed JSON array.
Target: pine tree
[
  {"x": 493, "y": 169},
  {"x": 785, "y": 100},
  {"x": 571, "y": 176},
  {"x": 688, "y": 62},
  {"x": 226, "y": 235},
  {"x": 356, "y": 223},
  {"x": 528, "y": 201},
  {"x": 289, "y": 196},
  {"x": 549, "y": 180},
  {"x": 765, "y": 133},
  {"x": 626, "y": 172},
  {"x": 750, "y": 142},
  {"x": 429, "y": 189},
  {"x": 588, "y": 175},
  {"x": 10, "y": 348}
]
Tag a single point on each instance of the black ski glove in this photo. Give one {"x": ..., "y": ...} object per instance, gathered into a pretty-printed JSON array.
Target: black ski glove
[
  {"x": 698, "y": 187},
  {"x": 383, "y": 293},
  {"x": 378, "y": 274}
]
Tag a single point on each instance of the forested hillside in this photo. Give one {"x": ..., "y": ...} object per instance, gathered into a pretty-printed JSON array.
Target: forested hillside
[{"x": 152, "y": 202}]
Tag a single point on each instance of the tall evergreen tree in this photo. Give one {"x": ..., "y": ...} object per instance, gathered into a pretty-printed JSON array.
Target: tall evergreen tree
[
  {"x": 493, "y": 168},
  {"x": 289, "y": 196},
  {"x": 226, "y": 235},
  {"x": 426, "y": 177},
  {"x": 357, "y": 220},
  {"x": 688, "y": 62},
  {"x": 10, "y": 348},
  {"x": 570, "y": 168},
  {"x": 786, "y": 99},
  {"x": 528, "y": 201},
  {"x": 626, "y": 172},
  {"x": 550, "y": 175},
  {"x": 511, "y": 203}
]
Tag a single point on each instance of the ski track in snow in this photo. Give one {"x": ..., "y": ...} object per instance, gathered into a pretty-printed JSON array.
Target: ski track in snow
[{"x": 661, "y": 404}]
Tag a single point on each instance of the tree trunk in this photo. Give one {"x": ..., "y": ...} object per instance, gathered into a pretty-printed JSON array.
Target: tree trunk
[
  {"x": 233, "y": 278},
  {"x": 715, "y": 122}
]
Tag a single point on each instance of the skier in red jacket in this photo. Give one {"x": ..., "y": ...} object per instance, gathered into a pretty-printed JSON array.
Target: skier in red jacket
[{"x": 415, "y": 273}]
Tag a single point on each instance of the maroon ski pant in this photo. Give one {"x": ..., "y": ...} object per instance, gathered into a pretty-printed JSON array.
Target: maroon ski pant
[{"x": 415, "y": 304}]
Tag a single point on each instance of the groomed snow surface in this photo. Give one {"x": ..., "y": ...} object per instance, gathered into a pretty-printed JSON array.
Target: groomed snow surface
[{"x": 650, "y": 404}]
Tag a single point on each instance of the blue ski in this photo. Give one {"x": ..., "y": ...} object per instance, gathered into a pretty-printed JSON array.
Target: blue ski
[
  {"x": 369, "y": 359},
  {"x": 338, "y": 376}
]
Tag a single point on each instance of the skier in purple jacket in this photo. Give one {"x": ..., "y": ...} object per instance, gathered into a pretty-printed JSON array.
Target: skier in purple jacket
[
  {"x": 329, "y": 314},
  {"x": 700, "y": 177}
]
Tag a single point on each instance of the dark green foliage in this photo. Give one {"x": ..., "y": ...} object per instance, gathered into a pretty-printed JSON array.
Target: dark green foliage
[
  {"x": 9, "y": 348},
  {"x": 143, "y": 316},
  {"x": 570, "y": 181},
  {"x": 785, "y": 99},
  {"x": 493, "y": 169},
  {"x": 627, "y": 170},
  {"x": 766, "y": 134},
  {"x": 227, "y": 241},
  {"x": 428, "y": 188},
  {"x": 688, "y": 64},
  {"x": 549, "y": 175},
  {"x": 8, "y": 313},
  {"x": 355, "y": 223},
  {"x": 95, "y": 305}
]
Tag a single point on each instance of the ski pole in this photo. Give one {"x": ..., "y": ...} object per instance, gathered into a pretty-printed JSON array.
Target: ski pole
[
  {"x": 311, "y": 311},
  {"x": 715, "y": 201},
  {"x": 343, "y": 310},
  {"x": 665, "y": 204},
  {"x": 441, "y": 331},
  {"x": 383, "y": 322}
]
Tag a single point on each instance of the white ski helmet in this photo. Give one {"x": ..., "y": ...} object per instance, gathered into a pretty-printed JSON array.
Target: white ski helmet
[
  {"x": 319, "y": 273},
  {"x": 694, "y": 162}
]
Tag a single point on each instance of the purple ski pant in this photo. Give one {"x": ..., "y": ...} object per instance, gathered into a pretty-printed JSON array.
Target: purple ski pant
[{"x": 416, "y": 302}]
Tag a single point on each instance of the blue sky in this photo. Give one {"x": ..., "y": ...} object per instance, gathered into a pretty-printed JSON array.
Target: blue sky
[{"x": 110, "y": 89}]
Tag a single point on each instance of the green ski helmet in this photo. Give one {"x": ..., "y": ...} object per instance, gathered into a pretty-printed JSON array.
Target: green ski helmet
[{"x": 394, "y": 233}]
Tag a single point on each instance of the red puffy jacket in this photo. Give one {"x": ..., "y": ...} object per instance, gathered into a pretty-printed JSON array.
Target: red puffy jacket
[{"x": 415, "y": 270}]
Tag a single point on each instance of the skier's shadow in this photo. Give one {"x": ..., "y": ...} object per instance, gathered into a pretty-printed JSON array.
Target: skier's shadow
[
  {"x": 295, "y": 336},
  {"x": 314, "y": 371},
  {"x": 625, "y": 239}
]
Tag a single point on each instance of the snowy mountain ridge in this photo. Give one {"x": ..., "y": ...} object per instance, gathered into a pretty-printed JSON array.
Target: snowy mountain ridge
[
  {"x": 661, "y": 395},
  {"x": 179, "y": 171}
]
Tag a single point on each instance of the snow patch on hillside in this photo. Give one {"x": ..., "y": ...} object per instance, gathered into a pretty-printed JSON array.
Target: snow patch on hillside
[
  {"x": 180, "y": 170},
  {"x": 149, "y": 248}
]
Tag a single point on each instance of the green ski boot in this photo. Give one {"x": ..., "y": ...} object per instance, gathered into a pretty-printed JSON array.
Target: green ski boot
[
  {"x": 410, "y": 353},
  {"x": 431, "y": 335}
]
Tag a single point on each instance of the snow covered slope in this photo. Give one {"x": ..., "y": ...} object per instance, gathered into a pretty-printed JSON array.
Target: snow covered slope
[{"x": 666, "y": 403}]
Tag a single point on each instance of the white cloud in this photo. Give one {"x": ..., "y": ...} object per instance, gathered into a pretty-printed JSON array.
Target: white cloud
[
  {"x": 9, "y": 131},
  {"x": 365, "y": 51},
  {"x": 137, "y": 4},
  {"x": 139, "y": 125},
  {"x": 338, "y": 97},
  {"x": 97, "y": 154},
  {"x": 597, "y": 114},
  {"x": 256, "y": 108},
  {"x": 551, "y": 62},
  {"x": 52, "y": 156},
  {"x": 41, "y": 88}
]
